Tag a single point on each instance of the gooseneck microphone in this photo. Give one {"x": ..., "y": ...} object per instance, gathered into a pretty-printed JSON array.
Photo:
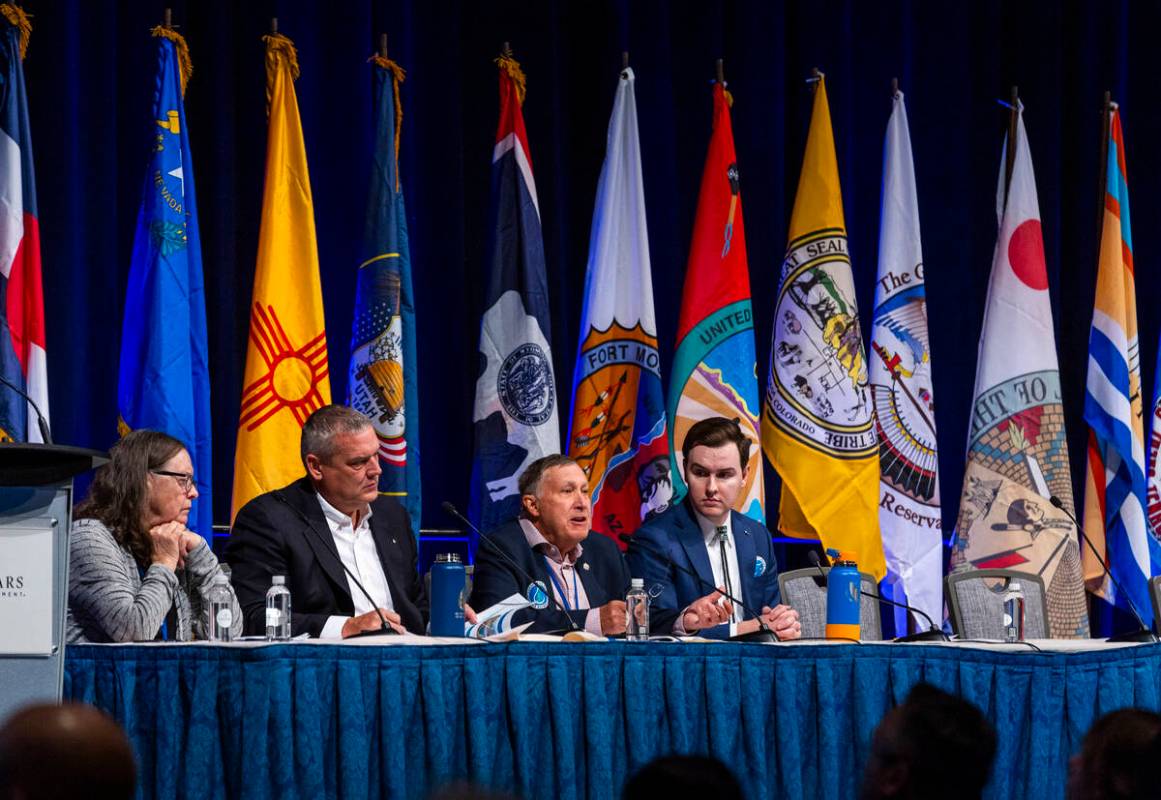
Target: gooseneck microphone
[
  {"x": 933, "y": 634},
  {"x": 41, "y": 422},
  {"x": 1142, "y": 634},
  {"x": 329, "y": 545},
  {"x": 762, "y": 626},
  {"x": 498, "y": 550}
]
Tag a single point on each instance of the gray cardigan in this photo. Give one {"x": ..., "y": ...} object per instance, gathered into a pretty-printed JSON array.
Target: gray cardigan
[{"x": 110, "y": 601}]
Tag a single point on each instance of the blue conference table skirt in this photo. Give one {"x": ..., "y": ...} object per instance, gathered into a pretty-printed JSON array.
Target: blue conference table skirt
[{"x": 563, "y": 720}]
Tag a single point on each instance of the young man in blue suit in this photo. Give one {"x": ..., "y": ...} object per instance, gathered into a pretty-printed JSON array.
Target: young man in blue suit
[{"x": 724, "y": 548}]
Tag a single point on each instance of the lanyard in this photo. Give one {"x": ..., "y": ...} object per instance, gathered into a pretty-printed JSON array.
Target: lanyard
[{"x": 561, "y": 590}]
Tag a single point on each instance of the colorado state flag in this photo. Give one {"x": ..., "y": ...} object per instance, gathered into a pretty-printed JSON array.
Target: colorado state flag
[{"x": 164, "y": 380}]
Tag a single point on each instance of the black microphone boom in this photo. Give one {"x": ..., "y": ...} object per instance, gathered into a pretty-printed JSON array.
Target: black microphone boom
[
  {"x": 762, "y": 634},
  {"x": 1142, "y": 634},
  {"x": 933, "y": 634},
  {"x": 498, "y": 550},
  {"x": 334, "y": 551},
  {"x": 41, "y": 422}
]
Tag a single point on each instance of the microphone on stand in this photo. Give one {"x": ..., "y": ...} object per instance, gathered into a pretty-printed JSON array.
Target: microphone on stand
[
  {"x": 329, "y": 545},
  {"x": 1142, "y": 634},
  {"x": 41, "y": 422},
  {"x": 498, "y": 550},
  {"x": 934, "y": 634},
  {"x": 763, "y": 634}
]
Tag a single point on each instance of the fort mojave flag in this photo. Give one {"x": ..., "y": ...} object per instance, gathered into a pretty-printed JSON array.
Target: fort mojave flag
[
  {"x": 817, "y": 419},
  {"x": 164, "y": 379},
  {"x": 515, "y": 414},
  {"x": 1114, "y": 490},
  {"x": 618, "y": 432},
  {"x": 901, "y": 388},
  {"x": 1017, "y": 450},
  {"x": 715, "y": 365},
  {"x": 22, "y": 350},
  {"x": 287, "y": 375},
  {"x": 383, "y": 383}
]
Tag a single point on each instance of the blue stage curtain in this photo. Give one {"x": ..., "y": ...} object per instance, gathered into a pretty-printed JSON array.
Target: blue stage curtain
[
  {"x": 89, "y": 79},
  {"x": 573, "y": 721}
]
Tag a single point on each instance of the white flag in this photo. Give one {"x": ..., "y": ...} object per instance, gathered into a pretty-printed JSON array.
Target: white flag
[
  {"x": 1017, "y": 450},
  {"x": 902, "y": 390}
]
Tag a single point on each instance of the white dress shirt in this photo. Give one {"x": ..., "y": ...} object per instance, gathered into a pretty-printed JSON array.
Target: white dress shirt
[
  {"x": 709, "y": 532},
  {"x": 359, "y": 554}
]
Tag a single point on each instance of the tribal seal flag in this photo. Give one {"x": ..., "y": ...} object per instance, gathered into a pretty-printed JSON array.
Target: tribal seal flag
[
  {"x": 1017, "y": 451},
  {"x": 515, "y": 412},
  {"x": 164, "y": 375},
  {"x": 817, "y": 418},
  {"x": 1114, "y": 488},
  {"x": 618, "y": 431},
  {"x": 287, "y": 374},
  {"x": 902, "y": 393},
  {"x": 715, "y": 371},
  {"x": 382, "y": 381}
]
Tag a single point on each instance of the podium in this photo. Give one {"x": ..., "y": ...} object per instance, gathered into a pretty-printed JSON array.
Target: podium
[{"x": 36, "y": 503}]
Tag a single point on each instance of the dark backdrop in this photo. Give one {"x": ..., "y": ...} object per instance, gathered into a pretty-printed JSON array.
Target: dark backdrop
[{"x": 89, "y": 71}]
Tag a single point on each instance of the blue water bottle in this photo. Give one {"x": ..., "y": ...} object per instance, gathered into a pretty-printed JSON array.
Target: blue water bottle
[
  {"x": 842, "y": 596},
  {"x": 448, "y": 582}
]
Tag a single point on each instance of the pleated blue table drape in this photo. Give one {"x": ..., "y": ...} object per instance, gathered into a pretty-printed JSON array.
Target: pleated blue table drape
[{"x": 574, "y": 720}]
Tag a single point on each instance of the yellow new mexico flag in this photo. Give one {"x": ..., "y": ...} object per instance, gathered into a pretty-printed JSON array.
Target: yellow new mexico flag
[
  {"x": 817, "y": 419},
  {"x": 286, "y": 375}
]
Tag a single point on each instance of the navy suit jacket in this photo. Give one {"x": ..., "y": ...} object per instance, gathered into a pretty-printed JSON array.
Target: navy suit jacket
[
  {"x": 601, "y": 567},
  {"x": 677, "y": 534},
  {"x": 272, "y": 537}
]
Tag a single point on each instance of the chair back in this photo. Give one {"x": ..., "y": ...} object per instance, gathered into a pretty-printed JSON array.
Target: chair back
[
  {"x": 1155, "y": 599},
  {"x": 977, "y": 605},
  {"x": 804, "y": 590}
]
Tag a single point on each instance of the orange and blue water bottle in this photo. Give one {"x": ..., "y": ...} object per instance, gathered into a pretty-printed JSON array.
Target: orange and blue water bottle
[{"x": 842, "y": 596}]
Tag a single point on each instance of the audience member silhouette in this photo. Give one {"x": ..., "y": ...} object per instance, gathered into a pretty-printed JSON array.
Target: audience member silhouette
[{"x": 71, "y": 750}]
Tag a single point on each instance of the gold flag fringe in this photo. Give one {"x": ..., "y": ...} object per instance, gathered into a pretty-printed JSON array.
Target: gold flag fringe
[
  {"x": 16, "y": 15},
  {"x": 278, "y": 47},
  {"x": 510, "y": 65},
  {"x": 398, "y": 75},
  {"x": 184, "y": 63}
]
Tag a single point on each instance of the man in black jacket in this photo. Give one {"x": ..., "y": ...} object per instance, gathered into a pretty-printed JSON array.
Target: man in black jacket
[{"x": 331, "y": 518}]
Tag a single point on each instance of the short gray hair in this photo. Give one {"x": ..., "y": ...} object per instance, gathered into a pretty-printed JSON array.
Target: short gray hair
[
  {"x": 321, "y": 428},
  {"x": 529, "y": 481}
]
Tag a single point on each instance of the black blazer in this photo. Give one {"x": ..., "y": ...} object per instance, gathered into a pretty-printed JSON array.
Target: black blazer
[
  {"x": 271, "y": 537},
  {"x": 601, "y": 567}
]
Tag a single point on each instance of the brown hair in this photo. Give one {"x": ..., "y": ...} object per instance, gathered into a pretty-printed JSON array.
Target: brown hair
[
  {"x": 119, "y": 492},
  {"x": 714, "y": 432},
  {"x": 529, "y": 482}
]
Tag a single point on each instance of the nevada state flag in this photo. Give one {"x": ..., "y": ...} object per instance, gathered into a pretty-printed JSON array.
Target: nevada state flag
[{"x": 515, "y": 412}]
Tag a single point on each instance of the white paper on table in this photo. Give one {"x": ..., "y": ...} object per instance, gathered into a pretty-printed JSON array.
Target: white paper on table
[{"x": 497, "y": 618}]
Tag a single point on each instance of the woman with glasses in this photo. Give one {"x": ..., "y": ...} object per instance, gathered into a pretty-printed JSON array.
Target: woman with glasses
[{"x": 136, "y": 573}]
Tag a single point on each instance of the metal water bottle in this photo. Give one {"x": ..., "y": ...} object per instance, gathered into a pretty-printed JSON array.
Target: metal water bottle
[
  {"x": 637, "y": 611},
  {"x": 448, "y": 582},
  {"x": 1013, "y": 598},
  {"x": 842, "y": 596}
]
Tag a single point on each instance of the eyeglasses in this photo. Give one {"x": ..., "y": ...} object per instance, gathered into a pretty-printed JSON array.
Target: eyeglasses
[{"x": 185, "y": 480}]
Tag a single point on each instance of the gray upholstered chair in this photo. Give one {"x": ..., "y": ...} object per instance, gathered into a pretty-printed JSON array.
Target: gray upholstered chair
[
  {"x": 804, "y": 590},
  {"x": 1155, "y": 598},
  {"x": 977, "y": 607}
]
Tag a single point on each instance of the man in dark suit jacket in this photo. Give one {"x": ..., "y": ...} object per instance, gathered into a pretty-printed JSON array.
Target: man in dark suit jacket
[
  {"x": 722, "y": 547},
  {"x": 333, "y": 516},
  {"x": 552, "y": 543}
]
